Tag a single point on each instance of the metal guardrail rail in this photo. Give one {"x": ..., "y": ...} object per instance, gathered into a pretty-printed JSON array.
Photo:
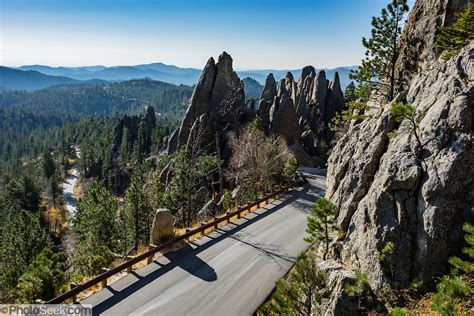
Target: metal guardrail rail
[{"x": 148, "y": 255}]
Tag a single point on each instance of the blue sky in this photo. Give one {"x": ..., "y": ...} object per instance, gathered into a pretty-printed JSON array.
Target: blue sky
[{"x": 258, "y": 34}]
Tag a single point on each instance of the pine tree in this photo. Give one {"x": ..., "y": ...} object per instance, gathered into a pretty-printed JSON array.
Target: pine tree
[
  {"x": 54, "y": 187},
  {"x": 321, "y": 222},
  {"x": 350, "y": 92},
  {"x": 49, "y": 166},
  {"x": 139, "y": 145},
  {"x": 43, "y": 279},
  {"x": 182, "y": 192},
  {"x": 96, "y": 217},
  {"x": 359, "y": 287},
  {"x": 452, "y": 38},
  {"x": 23, "y": 239},
  {"x": 378, "y": 68},
  {"x": 466, "y": 266},
  {"x": 137, "y": 214},
  {"x": 23, "y": 194},
  {"x": 125, "y": 149},
  {"x": 302, "y": 292}
]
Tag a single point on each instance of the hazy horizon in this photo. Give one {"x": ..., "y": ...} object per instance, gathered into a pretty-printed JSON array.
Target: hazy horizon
[
  {"x": 183, "y": 67},
  {"x": 257, "y": 34}
]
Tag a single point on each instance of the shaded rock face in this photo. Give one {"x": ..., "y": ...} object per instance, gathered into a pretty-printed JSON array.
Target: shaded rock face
[
  {"x": 285, "y": 122},
  {"x": 173, "y": 143},
  {"x": 391, "y": 190},
  {"x": 133, "y": 124},
  {"x": 269, "y": 90},
  {"x": 217, "y": 104},
  {"x": 315, "y": 101},
  {"x": 162, "y": 227}
]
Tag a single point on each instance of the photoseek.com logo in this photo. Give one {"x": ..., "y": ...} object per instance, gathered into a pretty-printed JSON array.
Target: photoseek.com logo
[{"x": 46, "y": 309}]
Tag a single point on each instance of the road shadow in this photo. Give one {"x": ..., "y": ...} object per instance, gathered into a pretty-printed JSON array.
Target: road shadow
[
  {"x": 187, "y": 258},
  {"x": 70, "y": 200}
]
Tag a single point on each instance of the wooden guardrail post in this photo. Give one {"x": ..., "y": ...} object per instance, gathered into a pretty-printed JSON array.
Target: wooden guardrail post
[
  {"x": 130, "y": 268},
  {"x": 187, "y": 231},
  {"x": 103, "y": 283},
  {"x": 149, "y": 259},
  {"x": 204, "y": 231},
  {"x": 71, "y": 286},
  {"x": 227, "y": 214},
  {"x": 216, "y": 225}
]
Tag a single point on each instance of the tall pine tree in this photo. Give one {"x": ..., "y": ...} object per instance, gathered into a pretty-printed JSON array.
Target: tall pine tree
[
  {"x": 137, "y": 214},
  {"x": 378, "y": 68}
]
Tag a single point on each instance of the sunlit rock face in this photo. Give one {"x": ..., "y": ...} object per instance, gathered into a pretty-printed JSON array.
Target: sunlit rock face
[{"x": 393, "y": 190}]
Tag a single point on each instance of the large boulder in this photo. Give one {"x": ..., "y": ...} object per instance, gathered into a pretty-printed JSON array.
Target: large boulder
[{"x": 162, "y": 227}]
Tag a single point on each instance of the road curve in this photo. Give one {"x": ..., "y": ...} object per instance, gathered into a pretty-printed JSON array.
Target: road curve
[{"x": 230, "y": 271}]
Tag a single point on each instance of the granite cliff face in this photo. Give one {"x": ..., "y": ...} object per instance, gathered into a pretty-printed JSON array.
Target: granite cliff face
[
  {"x": 217, "y": 104},
  {"x": 393, "y": 189}
]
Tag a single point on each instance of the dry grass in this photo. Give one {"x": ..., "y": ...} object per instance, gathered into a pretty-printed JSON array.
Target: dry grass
[{"x": 57, "y": 219}]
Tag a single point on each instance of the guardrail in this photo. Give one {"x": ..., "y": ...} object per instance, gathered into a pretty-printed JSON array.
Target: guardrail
[{"x": 148, "y": 255}]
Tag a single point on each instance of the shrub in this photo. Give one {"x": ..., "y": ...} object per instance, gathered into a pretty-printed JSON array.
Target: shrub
[
  {"x": 359, "y": 287},
  {"x": 301, "y": 293},
  {"x": 258, "y": 163},
  {"x": 399, "y": 311},
  {"x": 449, "y": 292}
]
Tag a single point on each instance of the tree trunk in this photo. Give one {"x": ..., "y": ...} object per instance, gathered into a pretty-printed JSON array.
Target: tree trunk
[
  {"x": 394, "y": 58},
  {"x": 327, "y": 241}
]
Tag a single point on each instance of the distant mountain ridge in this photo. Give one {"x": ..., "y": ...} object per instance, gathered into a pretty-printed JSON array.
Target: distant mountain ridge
[
  {"x": 13, "y": 79},
  {"x": 167, "y": 73}
]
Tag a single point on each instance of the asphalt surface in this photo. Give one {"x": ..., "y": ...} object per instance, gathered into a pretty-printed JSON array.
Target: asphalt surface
[{"x": 230, "y": 271}]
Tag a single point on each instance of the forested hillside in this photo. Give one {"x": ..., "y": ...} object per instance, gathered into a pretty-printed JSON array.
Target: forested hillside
[
  {"x": 127, "y": 96},
  {"x": 39, "y": 134}
]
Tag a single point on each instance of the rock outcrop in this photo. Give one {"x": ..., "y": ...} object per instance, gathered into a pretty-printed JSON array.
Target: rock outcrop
[
  {"x": 417, "y": 42},
  {"x": 162, "y": 227},
  {"x": 314, "y": 102},
  {"x": 393, "y": 189},
  {"x": 285, "y": 122},
  {"x": 217, "y": 104},
  {"x": 133, "y": 123}
]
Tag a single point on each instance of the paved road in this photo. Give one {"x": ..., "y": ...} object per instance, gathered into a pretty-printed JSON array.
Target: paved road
[
  {"x": 228, "y": 272},
  {"x": 70, "y": 202}
]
